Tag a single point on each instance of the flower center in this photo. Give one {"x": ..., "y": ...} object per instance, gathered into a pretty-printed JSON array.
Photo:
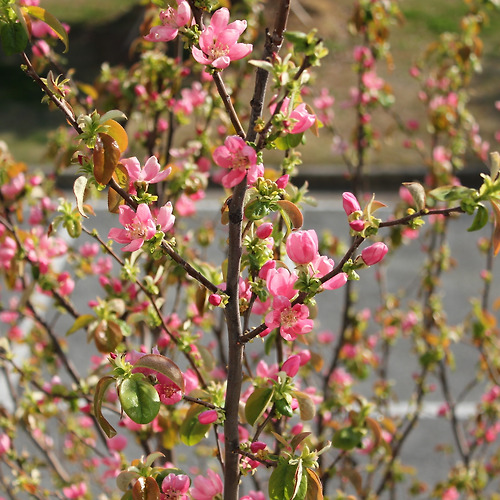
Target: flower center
[
  {"x": 240, "y": 161},
  {"x": 288, "y": 317},
  {"x": 136, "y": 230},
  {"x": 217, "y": 50}
]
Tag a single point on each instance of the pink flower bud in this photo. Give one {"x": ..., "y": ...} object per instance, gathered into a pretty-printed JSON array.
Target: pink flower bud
[
  {"x": 374, "y": 253},
  {"x": 282, "y": 181},
  {"x": 257, "y": 446},
  {"x": 291, "y": 365},
  {"x": 302, "y": 246},
  {"x": 208, "y": 417},
  {"x": 264, "y": 230},
  {"x": 215, "y": 299},
  {"x": 5, "y": 443},
  {"x": 350, "y": 203},
  {"x": 357, "y": 225}
]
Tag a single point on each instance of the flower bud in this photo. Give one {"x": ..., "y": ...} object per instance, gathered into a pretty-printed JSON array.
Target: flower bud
[
  {"x": 215, "y": 299},
  {"x": 374, "y": 253},
  {"x": 208, "y": 417},
  {"x": 357, "y": 225},
  {"x": 291, "y": 365},
  {"x": 350, "y": 203},
  {"x": 302, "y": 246},
  {"x": 264, "y": 230},
  {"x": 282, "y": 181}
]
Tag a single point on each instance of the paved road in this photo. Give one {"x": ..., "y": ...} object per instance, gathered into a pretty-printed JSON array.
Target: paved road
[{"x": 458, "y": 286}]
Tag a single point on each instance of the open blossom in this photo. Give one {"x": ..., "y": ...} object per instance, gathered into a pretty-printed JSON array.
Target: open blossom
[
  {"x": 292, "y": 320},
  {"x": 206, "y": 488},
  {"x": 299, "y": 117},
  {"x": 218, "y": 42},
  {"x": 171, "y": 20},
  {"x": 8, "y": 248},
  {"x": 175, "y": 486},
  {"x": 140, "y": 226},
  {"x": 149, "y": 174},
  {"x": 75, "y": 491},
  {"x": 240, "y": 158}
]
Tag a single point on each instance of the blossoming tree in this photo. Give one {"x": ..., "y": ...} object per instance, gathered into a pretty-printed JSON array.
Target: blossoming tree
[{"x": 184, "y": 348}]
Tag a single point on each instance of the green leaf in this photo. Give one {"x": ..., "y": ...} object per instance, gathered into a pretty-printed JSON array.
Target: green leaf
[
  {"x": 192, "y": 431},
  {"x": 451, "y": 193},
  {"x": 288, "y": 141},
  {"x": 163, "y": 365},
  {"x": 348, "y": 438},
  {"x": 139, "y": 399},
  {"x": 52, "y": 21},
  {"x": 480, "y": 219},
  {"x": 257, "y": 403},
  {"x": 100, "y": 390},
  {"x": 113, "y": 114},
  {"x": 287, "y": 482},
  {"x": 14, "y": 38},
  {"x": 81, "y": 322}
]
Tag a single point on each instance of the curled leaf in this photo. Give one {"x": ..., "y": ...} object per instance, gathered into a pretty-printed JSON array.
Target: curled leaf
[
  {"x": 100, "y": 390},
  {"x": 292, "y": 211},
  {"x": 52, "y": 21},
  {"x": 79, "y": 190},
  {"x": 106, "y": 156}
]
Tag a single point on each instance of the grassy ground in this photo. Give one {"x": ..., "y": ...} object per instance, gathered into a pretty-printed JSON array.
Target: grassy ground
[{"x": 93, "y": 21}]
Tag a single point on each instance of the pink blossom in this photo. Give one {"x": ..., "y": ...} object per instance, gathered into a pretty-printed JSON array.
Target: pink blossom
[
  {"x": 185, "y": 206},
  {"x": 350, "y": 203},
  {"x": 292, "y": 320},
  {"x": 89, "y": 250},
  {"x": 302, "y": 246},
  {"x": 5, "y": 443},
  {"x": 374, "y": 253},
  {"x": 282, "y": 182},
  {"x": 171, "y": 20},
  {"x": 254, "y": 495},
  {"x": 140, "y": 226},
  {"x": 75, "y": 491},
  {"x": 42, "y": 249},
  {"x": 240, "y": 159},
  {"x": 150, "y": 173},
  {"x": 357, "y": 225},
  {"x": 175, "y": 486},
  {"x": 299, "y": 118},
  {"x": 117, "y": 443},
  {"x": 280, "y": 282},
  {"x": 206, "y": 488},
  {"x": 208, "y": 417},
  {"x": 270, "y": 264},
  {"x": 450, "y": 494},
  {"x": 66, "y": 283},
  {"x": 218, "y": 42},
  {"x": 14, "y": 187},
  {"x": 8, "y": 248},
  {"x": 191, "y": 99},
  {"x": 321, "y": 266}
]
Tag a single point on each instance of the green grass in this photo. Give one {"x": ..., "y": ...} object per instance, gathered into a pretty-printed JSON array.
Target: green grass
[{"x": 88, "y": 11}]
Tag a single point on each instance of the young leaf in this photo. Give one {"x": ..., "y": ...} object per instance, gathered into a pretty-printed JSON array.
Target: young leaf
[
  {"x": 480, "y": 219},
  {"x": 146, "y": 488},
  {"x": 52, "y": 21},
  {"x": 192, "y": 431},
  {"x": 292, "y": 211},
  {"x": 314, "y": 487},
  {"x": 79, "y": 189},
  {"x": 163, "y": 365},
  {"x": 139, "y": 399},
  {"x": 496, "y": 234},
  {"x": 106, "y": 155},
  {"x": 257, "y": 403},
  {"x": 100, "y": 390},
  {"x": 120, "y": 175},
  {"x": 81, "y": 322},
  {"x": 118, "y": 133},
  {"x": 306, "y": 405}
]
